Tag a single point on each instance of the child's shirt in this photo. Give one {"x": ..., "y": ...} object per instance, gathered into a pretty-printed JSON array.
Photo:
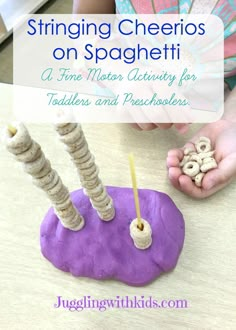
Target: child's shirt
[{"x": 225, "y": 9}]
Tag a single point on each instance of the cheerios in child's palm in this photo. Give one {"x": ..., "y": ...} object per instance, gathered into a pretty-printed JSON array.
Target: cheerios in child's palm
[{"x": 198, "y": 160}]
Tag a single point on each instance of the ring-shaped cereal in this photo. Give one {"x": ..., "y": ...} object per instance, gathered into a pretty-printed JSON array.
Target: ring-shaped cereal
[
  {"x": 203, "y": 147},
  {"x": 198, "y": 179},
  {"x": 191, "y": 168},
  {"x": 204, "y": 139},
  {"x": 208, "y": 166}
]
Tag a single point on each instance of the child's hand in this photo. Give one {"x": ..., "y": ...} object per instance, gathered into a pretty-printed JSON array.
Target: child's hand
[
  {"x": 181, "y": 128},
  {"x": 223, "y": 137}
]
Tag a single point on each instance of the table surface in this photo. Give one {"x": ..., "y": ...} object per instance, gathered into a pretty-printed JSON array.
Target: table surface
[{"x": 30, "y": 285}]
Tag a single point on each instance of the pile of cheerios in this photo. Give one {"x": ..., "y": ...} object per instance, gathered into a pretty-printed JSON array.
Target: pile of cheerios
[{"x": 197, "y": 161}]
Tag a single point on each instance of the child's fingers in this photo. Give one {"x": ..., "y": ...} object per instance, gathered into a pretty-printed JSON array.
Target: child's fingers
[
  {"x": 182, "y": 128},
  {"x": 222, "y": 175},
  {"x": 164, "y": 126},
  {"x": 150, "y": 126},
  {"x": 213, "y": 181},
  {"x": 172, "y": 161},
  {"x": 175, "y": 156},
  {"x": 179, "y": 152},
  {"x": 136, "y": 126},
  {"x": 188, "y": 187},
  {"x": 143, "y": 127},
  {"x": 176, "y": 153},
  {"x": 147, "y": 126},
  {"x": 190, "y": 145},
  {"x": 184, "y": 183},
  {"x": 174, "y": 174}
]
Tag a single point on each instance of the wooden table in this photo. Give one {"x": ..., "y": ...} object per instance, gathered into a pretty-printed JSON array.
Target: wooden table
[{"x": 29, "y": 285}]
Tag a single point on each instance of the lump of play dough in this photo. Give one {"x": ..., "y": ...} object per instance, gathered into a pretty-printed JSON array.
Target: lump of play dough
[{"x": 105, "y": 250}]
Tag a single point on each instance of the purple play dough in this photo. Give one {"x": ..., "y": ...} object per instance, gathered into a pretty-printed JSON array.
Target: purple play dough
[{"x": 105, "y": 250}]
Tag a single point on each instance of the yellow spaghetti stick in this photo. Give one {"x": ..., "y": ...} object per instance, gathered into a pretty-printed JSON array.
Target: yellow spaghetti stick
[{"x": 12, "y": 130}]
